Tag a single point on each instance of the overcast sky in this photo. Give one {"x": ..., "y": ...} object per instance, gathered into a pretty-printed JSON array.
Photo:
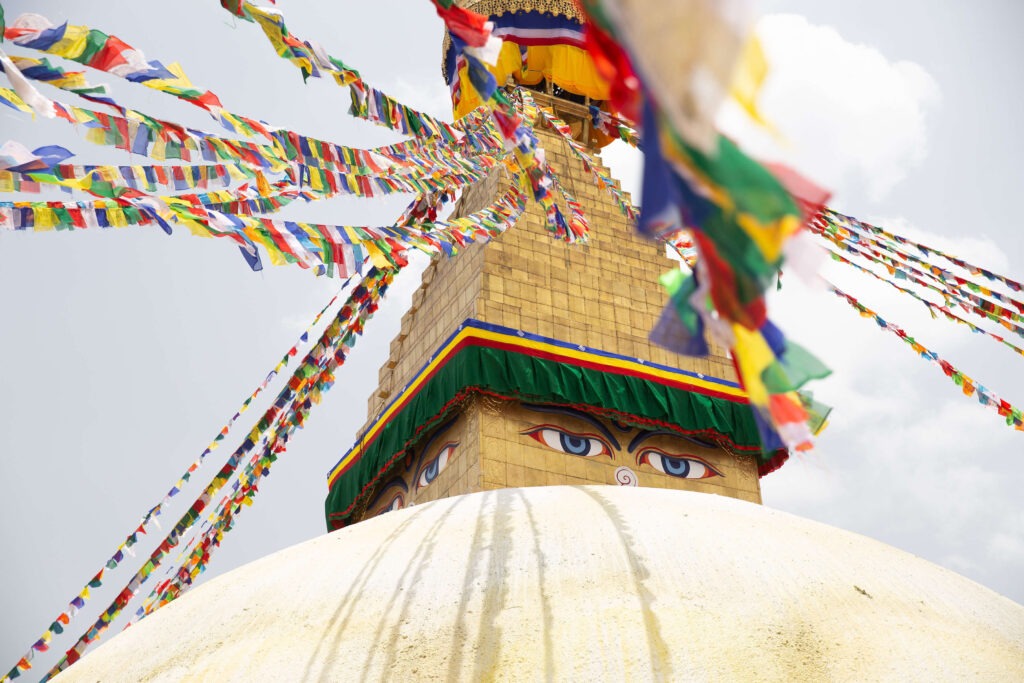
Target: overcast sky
[{"x": 122, "y": 353}]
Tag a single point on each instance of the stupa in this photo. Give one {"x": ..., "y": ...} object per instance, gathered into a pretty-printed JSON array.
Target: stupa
[{"x": 555, "y": 467}]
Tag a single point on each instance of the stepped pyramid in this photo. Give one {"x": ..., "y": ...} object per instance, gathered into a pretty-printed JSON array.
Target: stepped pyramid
[{"x": 546, "y": 305}]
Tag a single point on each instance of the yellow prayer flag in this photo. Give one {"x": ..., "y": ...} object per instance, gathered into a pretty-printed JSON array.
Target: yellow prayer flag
[
  {"x": 180, "y": 80},
  {"x": 753, "y": 356},
  {"x": 316, "y": 180},
  {"x": 45, "y": 219},
  {"x": 377, "y": 256},
  {"x": 81, "y": 115},
  {"x": 116, "y": 217},
  {"x": 73, "y": 43},
  {"x": 97, "y": 136},
  {"x": 234, "y": 172},
  {"x": 159, "y": 149}
]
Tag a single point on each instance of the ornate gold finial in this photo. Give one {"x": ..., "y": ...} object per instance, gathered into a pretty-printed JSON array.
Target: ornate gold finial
[{"x": 498, "y": 7}]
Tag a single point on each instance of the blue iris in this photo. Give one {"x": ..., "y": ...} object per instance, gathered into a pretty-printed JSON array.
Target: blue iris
[
  {"x": 574, "y": 445},
  {"x": 430, "y": 471},
  {"x": 677, "y": 467}
]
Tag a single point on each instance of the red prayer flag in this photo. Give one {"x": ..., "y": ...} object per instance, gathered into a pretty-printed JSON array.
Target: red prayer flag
[{"x": 466, "y": 24}]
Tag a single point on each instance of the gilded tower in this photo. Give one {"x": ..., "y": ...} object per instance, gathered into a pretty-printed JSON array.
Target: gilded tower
[{"x": 526, "y": 361}]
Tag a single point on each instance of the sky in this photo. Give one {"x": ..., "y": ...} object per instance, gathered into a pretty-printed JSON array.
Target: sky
[{"x": 122, "y": 353}]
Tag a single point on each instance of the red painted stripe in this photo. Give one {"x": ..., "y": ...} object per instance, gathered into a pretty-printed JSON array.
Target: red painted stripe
[
  {"x": 610, "y": 369},
  {"x": 471, "y": 340}
]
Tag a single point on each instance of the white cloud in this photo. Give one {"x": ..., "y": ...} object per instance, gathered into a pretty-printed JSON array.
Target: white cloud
[{"x": 848, "y": 117}]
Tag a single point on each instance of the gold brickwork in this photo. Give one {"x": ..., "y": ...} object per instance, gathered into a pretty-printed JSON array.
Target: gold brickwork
[{"x": 602, "y": 295}]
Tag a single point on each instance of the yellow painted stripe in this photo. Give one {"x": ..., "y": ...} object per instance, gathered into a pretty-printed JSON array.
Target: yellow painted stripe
[
  {"x": 621, "y": 363},
  {"x": 475, "y": 332}
]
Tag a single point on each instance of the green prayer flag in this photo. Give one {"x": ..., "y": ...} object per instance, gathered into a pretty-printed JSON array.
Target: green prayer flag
[{"x": 793, "y": 369}]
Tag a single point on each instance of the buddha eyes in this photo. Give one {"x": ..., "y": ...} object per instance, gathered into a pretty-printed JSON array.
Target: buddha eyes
[
  {"x": 571, "y": 443},
  {"x": 677, "y": 466},
  {"x": 433, "y": 467},
  {"x": 587, "y": 445}
]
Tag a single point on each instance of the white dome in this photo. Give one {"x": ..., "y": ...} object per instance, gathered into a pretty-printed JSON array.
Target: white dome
[{"x": 578, "y": 583}]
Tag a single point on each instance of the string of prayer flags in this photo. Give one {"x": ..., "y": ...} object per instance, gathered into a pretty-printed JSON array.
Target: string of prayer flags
[
  {"x": 163, "y": 140},
  {"x": 148, "y": 136},
  {"x": 933, "y": 308},
  {"x": 313, "y": 61},
  {"x": 310, "y": 378},
  {"x": 54, "y": 215},
  {"x": 212, "y": 518},
  {"x": 1012, "y": 415},
  {"x": 150, "y": 518},
  {"x": 46, "y": 216},
  {"x": 245, "y": 485},
  {"x": 424, "y": 177},
  {"x": 71, "y": 81},
  {"x": 837, "y": 218},
  {"x": 286, "y": 144},
  {"x": 154, "y": 178},
  {"x": 110, "y": 54},
  {"x": 347, "y": 247},
  {"x": 273, "y": 444},
  {"x": 951, "y": 293},
  {"x": 310, "y": 58},
  {"x": 372, "y": 105},
  {"x": 145, "y": 135},
  {"x": 842, "y": 229},
  {"x": 29, "y": 99}
]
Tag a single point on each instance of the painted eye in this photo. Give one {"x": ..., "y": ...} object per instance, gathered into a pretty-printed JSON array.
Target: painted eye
[
  {"x": 583, "y": 445},
  {"x": 677, "y": 466},
  {"x": 395, "y": 504},
  {"x": 435, "y": 466}
]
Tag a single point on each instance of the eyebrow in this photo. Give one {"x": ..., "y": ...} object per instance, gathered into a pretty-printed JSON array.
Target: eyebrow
[
  {"x": 577, "y": 414},
  {"x": 433, "y": 437},
  {"x": 644, "y": 435}
]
